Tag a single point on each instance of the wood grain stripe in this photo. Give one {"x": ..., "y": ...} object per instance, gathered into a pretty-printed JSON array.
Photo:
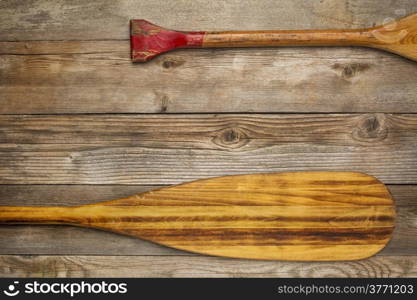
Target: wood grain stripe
[{"x": 265, "y": 236}]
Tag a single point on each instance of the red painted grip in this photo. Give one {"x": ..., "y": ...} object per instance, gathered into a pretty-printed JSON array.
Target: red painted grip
[{"x": 148, "y": 40}]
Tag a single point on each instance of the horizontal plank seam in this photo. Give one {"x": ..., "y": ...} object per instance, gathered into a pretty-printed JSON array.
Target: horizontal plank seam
[
  {"x": 142, "y": 185},
  {"x": 167, "y": 255},
  {"x": 237, "y": 114}
]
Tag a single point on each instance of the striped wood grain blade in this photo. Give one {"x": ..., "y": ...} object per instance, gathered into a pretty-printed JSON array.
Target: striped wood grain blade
[{"x": 302, "y": 216}]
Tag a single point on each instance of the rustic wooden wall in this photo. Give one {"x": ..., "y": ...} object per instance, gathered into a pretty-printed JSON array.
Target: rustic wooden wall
[{"x": 79, "y": 123}]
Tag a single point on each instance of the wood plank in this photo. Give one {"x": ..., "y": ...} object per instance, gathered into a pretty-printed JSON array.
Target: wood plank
[
  {"x": 59, "y": 240},
  {"x": 65, "y": 20},
  {"x": 183, "y": 266},
  {"x": 98, "y": 77},
  {"x": 141, "y": 149}
]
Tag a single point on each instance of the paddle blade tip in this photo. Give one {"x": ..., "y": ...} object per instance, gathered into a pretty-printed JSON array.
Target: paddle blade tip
[{"x": 399, "y": 37}]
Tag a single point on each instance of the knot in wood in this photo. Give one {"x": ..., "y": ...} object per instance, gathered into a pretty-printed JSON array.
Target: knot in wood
[
  {"x": 371, "y": 128},
  {"x": 350, "y": 70},
  {"x": 170, "y": 63},
  {"x": 231, "y": 138}
]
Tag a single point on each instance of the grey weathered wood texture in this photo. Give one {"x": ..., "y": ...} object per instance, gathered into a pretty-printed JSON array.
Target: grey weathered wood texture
[
  {"x": 80, "y": 20},
  {"x": 79, "y": 77},
  {"x": 198, "y": 266},
  {"x": 66, "y": 82},
  {"x": 155, "y": 149}
]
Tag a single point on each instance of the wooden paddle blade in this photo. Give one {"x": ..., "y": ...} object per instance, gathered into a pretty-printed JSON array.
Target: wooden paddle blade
[
  {"x": 399, "y": 37},
  {"x": 305, "y": 216}
]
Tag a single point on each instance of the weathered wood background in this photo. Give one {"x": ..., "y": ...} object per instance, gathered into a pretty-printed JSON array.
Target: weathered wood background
[{"x": 79, "y": 123}]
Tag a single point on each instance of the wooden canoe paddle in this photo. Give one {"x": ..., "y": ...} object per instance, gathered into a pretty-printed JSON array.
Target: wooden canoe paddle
[
  {"x": 302, "y": 216},
  {"x": 149, "y": 40}
]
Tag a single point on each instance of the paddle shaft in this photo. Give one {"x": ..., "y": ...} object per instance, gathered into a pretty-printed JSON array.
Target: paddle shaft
[
  {"x": 39, "y": 215},
  {"x": 273, "y": 38}
]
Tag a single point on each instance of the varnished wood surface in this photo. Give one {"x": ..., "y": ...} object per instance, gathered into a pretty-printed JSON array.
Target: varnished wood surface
[
  {"x": 50, "y": 240},
  {"x": 276, "y": 38},
  {"x": 399, "y": 36},
  {"x": 60, "y": 57},
  {"x": 302, "y": 216}
]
